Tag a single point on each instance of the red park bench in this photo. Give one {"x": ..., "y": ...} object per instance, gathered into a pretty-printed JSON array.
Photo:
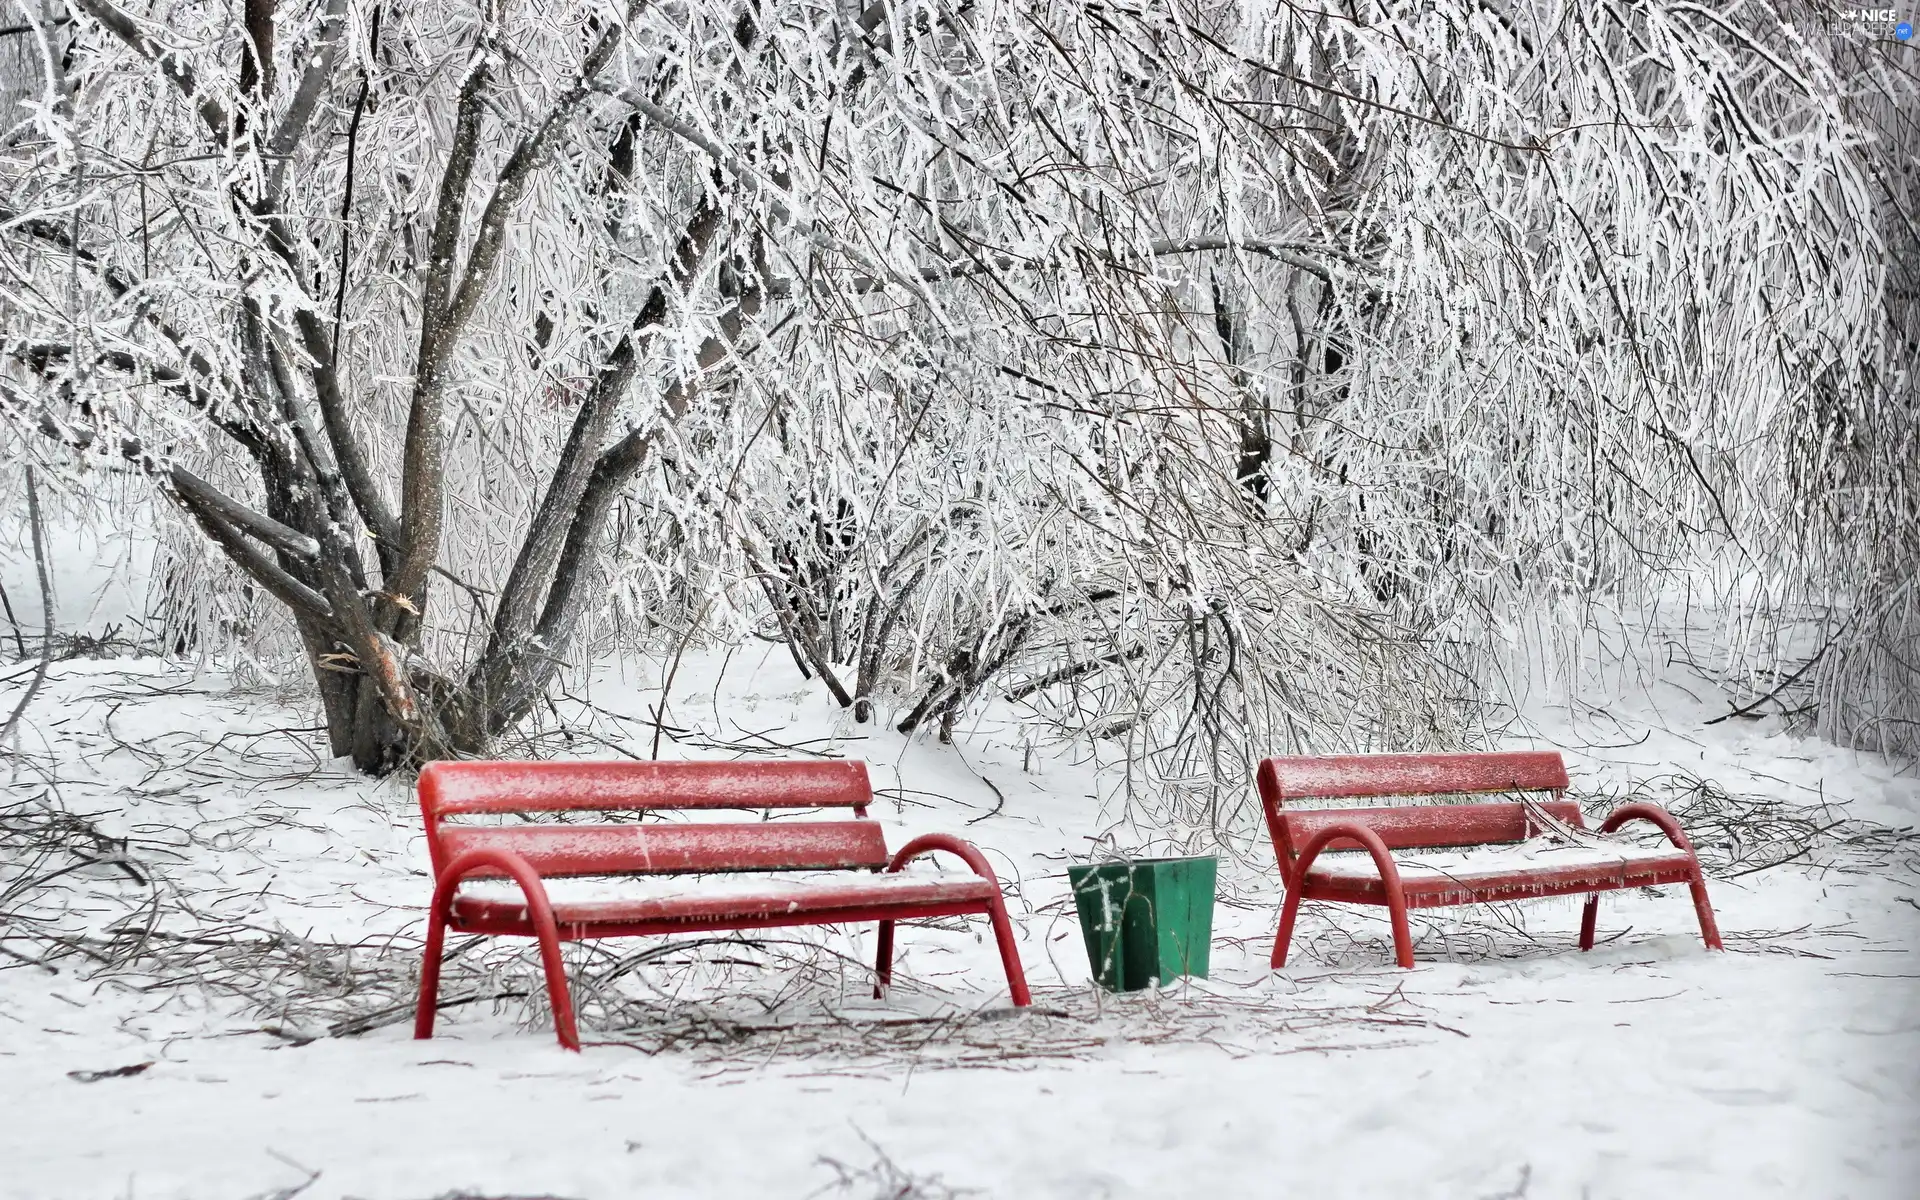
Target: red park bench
[
  {"x": 531, "y": 852},
  {"x": 1580, "y": 863}
]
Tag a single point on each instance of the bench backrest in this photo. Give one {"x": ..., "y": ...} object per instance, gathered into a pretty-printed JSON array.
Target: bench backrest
[
  {"x": 451, "y": 789},
  {"x": 1411, "y": 826}
]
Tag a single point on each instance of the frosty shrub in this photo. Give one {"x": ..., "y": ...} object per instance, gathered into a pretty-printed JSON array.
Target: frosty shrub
[{"x": 1215, "y": 379}]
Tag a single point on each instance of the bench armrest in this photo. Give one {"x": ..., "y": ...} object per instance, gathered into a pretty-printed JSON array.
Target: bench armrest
[
  {"x": 927, "y": 843},
  {"x": 539, "y": 909},
  {"x": 1640, "y": 810},
  {"x": 1382, "y": 859},
  {"x": 539, "y": 913}
]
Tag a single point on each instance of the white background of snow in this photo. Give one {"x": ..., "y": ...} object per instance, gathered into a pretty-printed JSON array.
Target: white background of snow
[
  {"x": 99, "y": 576},
  {"x": 1648, "y": 1067}
]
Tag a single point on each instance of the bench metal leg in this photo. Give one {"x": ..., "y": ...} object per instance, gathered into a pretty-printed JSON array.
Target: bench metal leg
[
  {"x": 558, "y": 995},
  {"x": 429, "y": 1003},
  {"x": 883, "y": 962},
  {"x": 1003, "y": 939},
  {"x": 546, "y": 931},
  {"x": 927, "y": 843},
  {"x": 1641, "y": 811},
  {"x": 1009, "y": 952},
  {"x": 1284, "y": 939},
  {"x": 1396, "y": 895},
  {"x": 1709, "y": 928},
  {"x": 1396, "y": 916},
  {"x": 1402, "y": 933}
]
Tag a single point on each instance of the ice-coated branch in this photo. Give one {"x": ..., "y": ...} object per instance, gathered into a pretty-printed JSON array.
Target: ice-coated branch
[
  {"x": 1300, "y": 255},
  {"x": 351, "y": 455},
  {"x": 205, "y": 496},
  {"x": 169, "y": 62},
  {"x": 581, "y": 551},
  {"x": 37, "y": 531},
  {"x": 423, "y": 470},
  {"x": 528, "y": 155},
  {"x": 248, "y": 557},
  {"x": 320, "y": 56},
  {"x": 570, "y": 492},
  {"x": 450, "y": 298}
]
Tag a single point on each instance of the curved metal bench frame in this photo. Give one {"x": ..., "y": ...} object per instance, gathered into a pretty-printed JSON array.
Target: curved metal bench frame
[
  {"x": 1300, "y": 836},
  {"x": 529, "y": 854}
]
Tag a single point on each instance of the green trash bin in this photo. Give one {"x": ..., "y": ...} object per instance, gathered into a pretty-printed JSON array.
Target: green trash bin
[{"x": 1145, "y": 920}]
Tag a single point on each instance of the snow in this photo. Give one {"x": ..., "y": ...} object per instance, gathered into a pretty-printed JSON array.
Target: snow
[
  {"x": 100, "y": 578},
  {"x": 718, "y": 890},
  {"x": 1538, "y": 854},
  {"x": 1506, "y": 1064}
]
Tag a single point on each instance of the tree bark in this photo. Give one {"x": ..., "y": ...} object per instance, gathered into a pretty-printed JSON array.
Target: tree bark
[{"x": 256, "y": 57}]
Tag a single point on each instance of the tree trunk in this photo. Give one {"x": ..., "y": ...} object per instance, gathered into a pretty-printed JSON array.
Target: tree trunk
[
  {"x": 379, "y": 744},
  {"x": 360, "y": 726},
  {"x": 358, "y": 723}
]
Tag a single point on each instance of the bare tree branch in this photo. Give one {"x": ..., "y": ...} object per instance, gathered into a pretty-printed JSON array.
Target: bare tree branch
[
  {"x": 268, "y": 530},
  {"x": 245, "y": 555},
  {"x": 542, "y": 547},
  {"x": 169, "y": 62},
  {"x": 320, "y": 59},
  {"x": 422, "y": 472},
  {"x": 446, "y": 308},
  {"x": 38, "y": 527},
  {"x": 527, "y": 157},
  {"x": 347, "y": 450}
]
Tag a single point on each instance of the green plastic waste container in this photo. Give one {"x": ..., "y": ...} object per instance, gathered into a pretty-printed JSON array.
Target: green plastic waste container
[{"x": 1146, "y": 920}]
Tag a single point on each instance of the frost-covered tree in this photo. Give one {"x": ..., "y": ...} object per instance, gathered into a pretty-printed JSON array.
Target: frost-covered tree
[{"x": 1212, "y": 377}]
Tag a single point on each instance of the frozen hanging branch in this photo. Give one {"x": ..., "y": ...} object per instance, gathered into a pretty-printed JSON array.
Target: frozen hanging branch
[{"x": 1211, "y": 378}]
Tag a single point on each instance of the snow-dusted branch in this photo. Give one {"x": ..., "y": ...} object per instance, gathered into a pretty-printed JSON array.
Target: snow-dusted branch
[
  {"x": 1213, "y": 382},
  {"x": 171, "y": 65},
  {"x": 204, "y": 497},
  {"x": 451, "y": 297},
  {"x": 320, "y": 57}
]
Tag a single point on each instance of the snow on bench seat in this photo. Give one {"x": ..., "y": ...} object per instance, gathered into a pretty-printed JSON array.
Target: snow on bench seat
[
  {"x": 1539, "y": 867},
  {"x": 680, "y": 901}
]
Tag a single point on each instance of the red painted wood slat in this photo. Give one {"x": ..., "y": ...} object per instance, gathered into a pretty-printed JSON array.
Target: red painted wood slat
[
  {"x": 1424, "y": 826},
  {"x": 497, "y": 787},
  {"x": 561, "y": 850},
  {"x": 810, "y": 902},
  {"x": 1427, "y": 891},
  {"x": 1350, "y": 776}
]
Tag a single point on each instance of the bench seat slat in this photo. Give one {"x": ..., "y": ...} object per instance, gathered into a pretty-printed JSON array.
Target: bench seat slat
[
  {"x": 1517, "y": 874},
  {"x": 778, "y": 899},
  {"x": 555, "y": 850}
]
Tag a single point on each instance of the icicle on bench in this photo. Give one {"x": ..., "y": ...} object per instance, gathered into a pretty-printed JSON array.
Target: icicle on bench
[
  {"x": 1499, "y": 851},
  {"x": 506, "y": 868}
]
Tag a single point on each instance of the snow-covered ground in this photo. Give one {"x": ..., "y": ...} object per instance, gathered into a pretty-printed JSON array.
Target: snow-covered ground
[
  {"x": 1506, "y": 1064},
  {"x": 100, "y": 579}
]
